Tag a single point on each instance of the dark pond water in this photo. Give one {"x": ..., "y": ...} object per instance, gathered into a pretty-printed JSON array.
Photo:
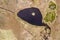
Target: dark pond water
[{"x": 26, "y": 14}]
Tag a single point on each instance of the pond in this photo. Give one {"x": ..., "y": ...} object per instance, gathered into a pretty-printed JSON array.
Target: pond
[{"x": 31, "y": 15}]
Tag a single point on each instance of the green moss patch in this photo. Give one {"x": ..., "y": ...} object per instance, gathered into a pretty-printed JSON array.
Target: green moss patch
[
  {"x": 52, "y": 5},
  {"x": 50, "y": 16}
]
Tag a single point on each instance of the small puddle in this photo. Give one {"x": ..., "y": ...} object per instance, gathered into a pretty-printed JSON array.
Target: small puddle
[{"x": 31, "y": 15}]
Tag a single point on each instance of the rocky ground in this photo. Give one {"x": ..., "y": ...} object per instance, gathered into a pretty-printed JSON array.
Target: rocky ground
[{"x": 21, "y": 29}]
